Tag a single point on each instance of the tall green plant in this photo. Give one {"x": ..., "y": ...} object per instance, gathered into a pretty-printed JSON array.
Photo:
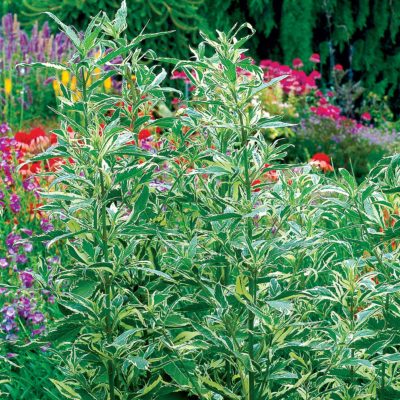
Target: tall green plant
[
  {"x": 102, "y": 194},
  {"x": 276, "y": 269},
  {"x": 230, "y": 251}
]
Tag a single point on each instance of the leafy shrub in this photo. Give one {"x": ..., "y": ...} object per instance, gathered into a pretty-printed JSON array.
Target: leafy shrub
[{"x": 203, "y": 267}]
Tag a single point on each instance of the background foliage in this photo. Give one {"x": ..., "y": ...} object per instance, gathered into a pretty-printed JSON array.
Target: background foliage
[{"x": 363, "y": 35}]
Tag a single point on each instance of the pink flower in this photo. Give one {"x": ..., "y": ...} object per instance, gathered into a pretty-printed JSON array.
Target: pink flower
[
  {"x": 297, "y": 63},
  {"x": 338, "y": 67},
  {"x": 315, "y": 75},
  {"x": 265, "y": 63},
  {"x": 366, "y": 116},
  {"x": 315, "y": 58}
]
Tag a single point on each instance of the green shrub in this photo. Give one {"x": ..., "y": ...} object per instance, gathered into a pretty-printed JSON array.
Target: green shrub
[{"x": 207, "y": 269}]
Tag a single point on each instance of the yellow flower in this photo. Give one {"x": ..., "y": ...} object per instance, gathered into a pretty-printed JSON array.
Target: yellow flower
[
  {"x": 56, "y": 87},
  {"x": 8, "y": 86},
  {"x": 73, "y": 83},
  {"x": 65, "y": 77},
  {"x": 107, "y": 84},
  {"x": 88, "y": 79},
  {"x": 97, "y": 73}
]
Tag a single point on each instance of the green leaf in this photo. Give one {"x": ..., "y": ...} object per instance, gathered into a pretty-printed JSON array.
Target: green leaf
[
  {"x": 218, "y": 388},
  {"x": 241, "y": 287},
  {"x": 178, "y": 374},
  {"x": 138, "y": 362},
  {"x": 265, "y": 85},
  {"x": 184, "y": 337},
  {"x": 85, "y": 288},
  {"x": 140, "y": 205},
  {"x": 282, "y": 306},
  {"x": 221, "y": 217},
  {"x": 356, "y": 362},
  {"x": 123, "y": 338},
  {"x": 120, "y": 18},
  {"x": 230, "y": 68},
  {"x": 149, "y": 388},
  {"x": 348, "y": 178},
  {"x": 66, "y": 390},
  {"x": 390, "y": 358},
  {"x": 67, "y": 29}
]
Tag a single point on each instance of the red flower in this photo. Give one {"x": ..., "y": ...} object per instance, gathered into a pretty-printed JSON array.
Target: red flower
[
  {"x": 321, "y": 157},
  {"x": 271, "y": 175},
  {"x": 36, "y": 133},
  {"x": 35, "y": 167},
  {"x": 338, "y": 67},
  {"x": 144, "y": 134},
  {"x": 53, "y": 138},
  {"x": 315, "y": 58},
  {"x": 322, "y": 161},
  {"x": 256, "y": 182},
  {"x": 27, "y": 138},
  {"x": 22, "y": 137}
]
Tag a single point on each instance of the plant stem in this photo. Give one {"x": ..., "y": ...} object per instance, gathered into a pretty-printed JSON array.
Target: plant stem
[
  {"x": 249, "y": 232},
  {"x": 381, "y": 395},
  {"x": 107, "y": 288},
  {"x": 103, "y": 227}
]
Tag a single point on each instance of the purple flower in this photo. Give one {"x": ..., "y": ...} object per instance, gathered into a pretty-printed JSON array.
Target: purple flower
[
  {"x": 26, "y": 278},
  {"x": 12, "y": 243},
  {"x": 11, "y": 355},
  {"x": 21, "y": 259},
  {"x": 29, "y": 185},
  {"x": 15, "y": 204},
  {"x": 28, "y": 247},
  {"x": 39, "y": 331},
  {"x": 27, "y": 232},
  {"x": 37, "y": 317},
  {"x": 9, "y": 312},
  {"x": 9, "y": 326},
  {"x": 46, "y": 225},
  {"x": 3, "y": 263},
  {"x": 53, "y": 260},
  {"x": 25, "y": 307},
  {"x": 4, "y": 128},
  {"x": 12, "y": 337}
]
